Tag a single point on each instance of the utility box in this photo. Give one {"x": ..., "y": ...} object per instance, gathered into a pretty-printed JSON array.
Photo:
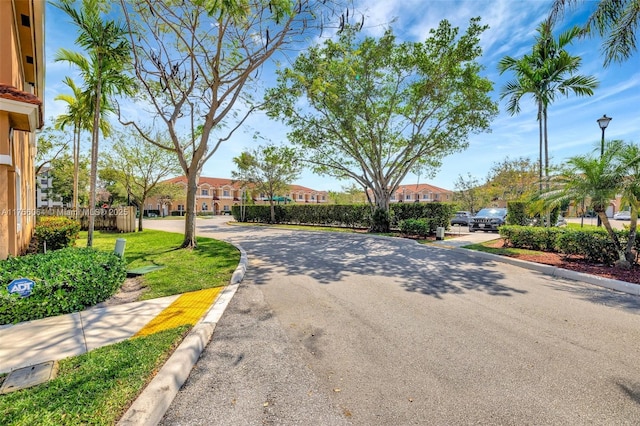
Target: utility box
[
  {"x": 440, "y": 233},
  {"x": 119, "y": 249}
]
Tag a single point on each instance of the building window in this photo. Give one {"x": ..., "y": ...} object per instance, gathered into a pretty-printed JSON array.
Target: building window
[
  {"x": 407, "y": 197},
  {"x": 393, "y": 197},
  {"x": 323, "y": 198},
  {"x": 225, "y": 208},
  {"x": 204, "y": 207},
  {"x": 313, "y": 197},
  {"x": 44, "y": 181},
  {"x": 299, "y": 196},
  {"x": 425, "y": 196},
  {"x": 225, "y": 193},
  {"x": 435, "y": 197},
  {"x": 180, "y": 207},
  {"x": 205, "y": 191}
]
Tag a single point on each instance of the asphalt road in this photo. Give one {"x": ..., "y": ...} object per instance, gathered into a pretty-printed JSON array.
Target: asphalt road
[{"x": 330, "y": 329}]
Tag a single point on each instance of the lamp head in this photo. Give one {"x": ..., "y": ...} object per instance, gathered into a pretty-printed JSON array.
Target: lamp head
[{"x": 603, "y": 121}]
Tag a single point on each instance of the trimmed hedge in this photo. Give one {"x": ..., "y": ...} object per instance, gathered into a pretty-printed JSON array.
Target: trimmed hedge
[
  {"x": 349, "y": 216},
  {"x": 55, "y": 232},
  {"x": 419, "y": 227},
  {"x": 66, "y": 280},
  {"x": 594, "y": 245}
]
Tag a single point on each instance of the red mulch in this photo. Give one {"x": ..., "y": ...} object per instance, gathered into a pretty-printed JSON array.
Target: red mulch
[{"x": 575, "y": 264}]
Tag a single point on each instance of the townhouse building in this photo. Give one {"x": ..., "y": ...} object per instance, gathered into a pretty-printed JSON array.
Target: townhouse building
[
  {"x": 421, "y": 193},
  {"x": 218, "y": 195},
  {"x": 21, "y": 112}
]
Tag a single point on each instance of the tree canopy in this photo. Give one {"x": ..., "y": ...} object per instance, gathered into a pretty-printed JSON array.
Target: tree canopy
[
  {"x": 195, "y": 60},
  {"x": 269, "y": 170},
  {"x": 374, "y": 110}
]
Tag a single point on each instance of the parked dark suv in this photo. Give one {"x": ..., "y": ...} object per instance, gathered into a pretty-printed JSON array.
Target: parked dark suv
[
  {"x": 488, "y": 220},
  {"x": 461, "y": 218}
]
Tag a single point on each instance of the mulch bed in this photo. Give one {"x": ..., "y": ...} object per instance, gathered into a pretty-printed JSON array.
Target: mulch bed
[{"x": 577, "y": 264}]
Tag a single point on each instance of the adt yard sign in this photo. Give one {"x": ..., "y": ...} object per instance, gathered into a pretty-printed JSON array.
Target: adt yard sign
[{"x": 22, "y": 286}]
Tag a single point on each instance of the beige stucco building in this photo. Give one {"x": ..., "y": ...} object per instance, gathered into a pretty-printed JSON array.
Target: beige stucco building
[
  {"x": 219, "y": 195},
  {"x": 21, "y": 94}
]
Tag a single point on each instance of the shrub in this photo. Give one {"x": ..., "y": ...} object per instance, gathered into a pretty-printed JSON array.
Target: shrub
[
  {"x": 55, "y": 232},
  {"x": 419, "y": 227},
  {"x": 66, "y": 280},
  {"x": 517, "y": 213},
  {"x": 529, "y": 237},
  {"x": 594, "y": 245}
]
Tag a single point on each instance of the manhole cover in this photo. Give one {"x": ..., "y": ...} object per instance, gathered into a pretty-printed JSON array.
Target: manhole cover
[{"x": 26, "y": 377}]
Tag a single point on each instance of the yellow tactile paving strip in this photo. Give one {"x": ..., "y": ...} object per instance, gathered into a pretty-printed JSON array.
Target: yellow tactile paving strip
[{"x": 186, "y": 309}]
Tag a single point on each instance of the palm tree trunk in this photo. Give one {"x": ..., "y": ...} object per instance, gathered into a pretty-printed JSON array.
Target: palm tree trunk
[
  {"x": 622, "y": 261},
  {"x": 540, "y": 141},
  {"x": 94, "y": 160},
  {"x": 76, "y": 165},
  {"x": 631, "y": 241}
]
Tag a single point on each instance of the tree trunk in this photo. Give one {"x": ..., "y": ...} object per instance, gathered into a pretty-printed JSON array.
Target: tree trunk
[
  {"x": 76, "y": 166},
  {"x": 622, "y": 261},
  {"x": 631, "y": 241},
  {"x": 141, "y": 210},
  {"x": 190, "y": 216},
  {"x": 380, "y": 220},
  {"x": 94, "y": 161},
  {"x": 540, "y": 141},
  {"x": 273, "y": 210}
]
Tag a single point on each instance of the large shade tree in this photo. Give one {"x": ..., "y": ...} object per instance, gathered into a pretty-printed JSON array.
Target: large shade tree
[
  {"x": 102, "y": 68},
  {"x": 374, "y": 110},
  {"x": 198, "y": 63},
  {"x": 547, "y": 72}
]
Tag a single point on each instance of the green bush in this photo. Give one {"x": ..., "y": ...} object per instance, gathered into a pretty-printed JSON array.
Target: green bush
[
  {"x": 419, "y": 227},
  {"x": 531, "y": 237},
  {"x": 594, "y": 245},
  {"x": 517, "y": 213},
  {"x": 66, "y": 280},
  {"x": 55, "y": 232}
]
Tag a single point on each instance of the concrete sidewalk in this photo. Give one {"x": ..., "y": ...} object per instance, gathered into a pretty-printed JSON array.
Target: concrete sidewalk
[{"x": 59, "y": 337}]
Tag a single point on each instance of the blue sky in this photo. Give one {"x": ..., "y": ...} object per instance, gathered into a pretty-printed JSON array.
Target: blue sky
[{"x": 572, "y": 122}]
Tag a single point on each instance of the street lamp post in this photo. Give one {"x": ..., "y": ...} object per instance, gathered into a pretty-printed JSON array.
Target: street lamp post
[{"x": 603, "y": 122}]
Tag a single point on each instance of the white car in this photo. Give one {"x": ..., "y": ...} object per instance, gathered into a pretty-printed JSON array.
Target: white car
[{"x": 622, "y": 215}]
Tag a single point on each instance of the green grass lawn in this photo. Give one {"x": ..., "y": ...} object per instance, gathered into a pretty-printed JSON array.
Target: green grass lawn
[
  {"x": 94, "y": 388},
  {"x": 502, "y": 251},
  {"x": 97, "y": 387},
  {"x": 184, "y": 270}
]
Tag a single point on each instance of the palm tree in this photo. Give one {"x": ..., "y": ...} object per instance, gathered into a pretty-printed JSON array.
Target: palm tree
[
  {"x": 615, "y": 20},
  {"x": 629, "y": 157},
  {"x": 547, "y": 72},
  {"x": 597, "y": 180},
  {"x": 79, "y": 116},
  {"x": 102, "y": 67},
  {"x": 76, "y": 116}
]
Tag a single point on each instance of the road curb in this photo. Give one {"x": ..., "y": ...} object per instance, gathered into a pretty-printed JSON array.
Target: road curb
[
  {"x": 554, "y": 271},
  {"x": 155, "y": 399}
]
